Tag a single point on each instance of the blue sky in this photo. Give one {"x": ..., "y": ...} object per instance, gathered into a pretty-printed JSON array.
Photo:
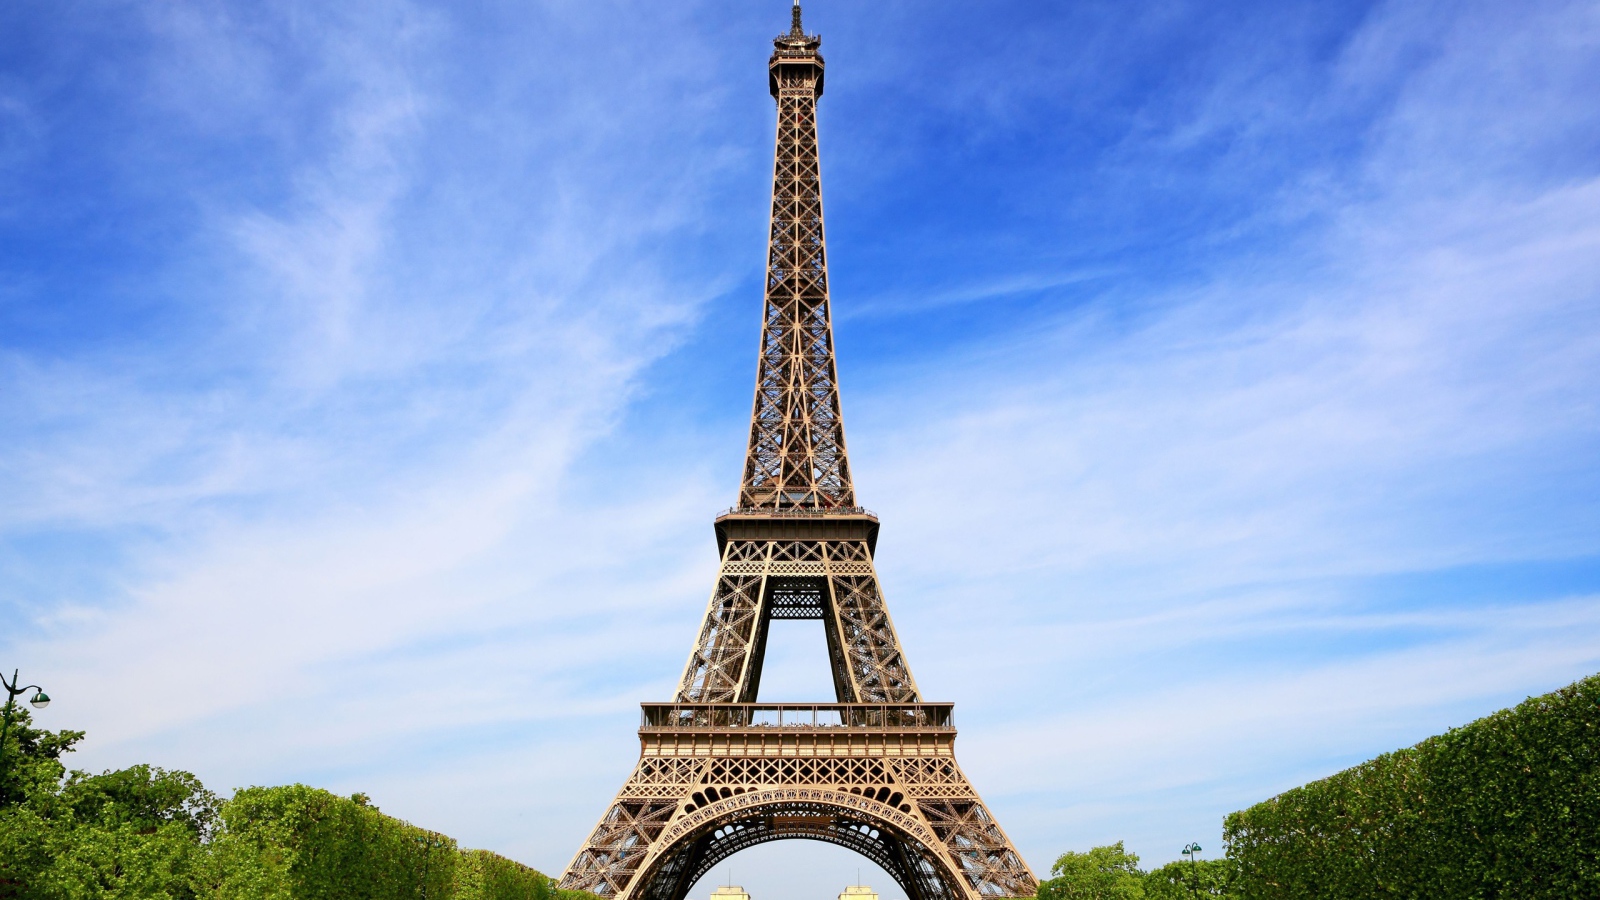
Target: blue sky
[{"x": 1226, "y": 376}]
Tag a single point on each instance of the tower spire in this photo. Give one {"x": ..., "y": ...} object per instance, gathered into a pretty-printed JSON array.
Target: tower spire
[{"x": 796, "y": 457}]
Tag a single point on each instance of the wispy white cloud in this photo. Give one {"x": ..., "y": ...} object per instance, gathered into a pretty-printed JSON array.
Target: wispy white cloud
[
  {"x": 1160, "y": 531},
  {"x": 999, "y": 289},
  {"x": 1219, "y": 740},
  {"x": 378, "y": 536}
]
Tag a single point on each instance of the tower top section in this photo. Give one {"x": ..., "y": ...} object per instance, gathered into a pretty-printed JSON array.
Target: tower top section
[
  {"x": 795, "y": 61},
  {"x": 796, "y": 462}
]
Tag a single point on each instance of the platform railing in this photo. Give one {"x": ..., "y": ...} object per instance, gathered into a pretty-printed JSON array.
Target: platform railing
[
  {"x": 796, "y": 716},
  {"x": 798, "y": 512}
]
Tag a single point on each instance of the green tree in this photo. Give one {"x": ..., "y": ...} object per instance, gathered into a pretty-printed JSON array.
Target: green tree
[
  {"x": 32, "y": 758},
  {"x": 1104, "y": 873},
  {"x": 145, "y": 833},
  {"x": 136, "y": 833},
  {"x": 1183, "y": 880},
  {"x": 144, "y": 797},
  {"x": 133, "y": 833}
]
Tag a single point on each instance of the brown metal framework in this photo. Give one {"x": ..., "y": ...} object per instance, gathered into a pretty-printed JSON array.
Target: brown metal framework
[
  {"x": 797, "y": 452},
  {"x": 875, "y": 772}
]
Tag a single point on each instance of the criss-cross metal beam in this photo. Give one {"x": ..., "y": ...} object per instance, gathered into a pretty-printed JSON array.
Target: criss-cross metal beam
[
  {"x": 875, "y": 771},
  {"x": 796, "y": 456}
]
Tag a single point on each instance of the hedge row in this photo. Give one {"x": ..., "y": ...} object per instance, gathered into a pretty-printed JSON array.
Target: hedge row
[
  {"x": 1506, "y": 807},
  {"x": 153, "y": 834},
  {"x": 481, "y": 875},
  {"x": 302, "y": 843}
]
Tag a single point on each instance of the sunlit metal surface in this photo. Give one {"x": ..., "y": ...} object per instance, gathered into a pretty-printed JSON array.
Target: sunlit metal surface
[{"x": 874, "y": 771}]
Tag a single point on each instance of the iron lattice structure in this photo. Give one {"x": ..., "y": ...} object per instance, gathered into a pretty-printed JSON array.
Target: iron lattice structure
[
  {"x": 875, "y": 771},
  {"x": 797, "y": 455}
]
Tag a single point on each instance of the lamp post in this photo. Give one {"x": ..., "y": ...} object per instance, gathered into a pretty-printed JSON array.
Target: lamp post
[
  {"x": 1194, "y": 871},
  {"x": 39, "y": 701},
  {"x": 429, "y": 842}
]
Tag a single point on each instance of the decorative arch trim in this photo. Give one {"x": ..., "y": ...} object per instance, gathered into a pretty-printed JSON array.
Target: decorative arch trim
[
  {"x": 748, "y": 803},
  {"x": 907, "y": 829}
]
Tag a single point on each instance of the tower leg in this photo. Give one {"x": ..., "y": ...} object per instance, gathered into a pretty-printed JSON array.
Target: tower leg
[{"x": 832, "y": 580}]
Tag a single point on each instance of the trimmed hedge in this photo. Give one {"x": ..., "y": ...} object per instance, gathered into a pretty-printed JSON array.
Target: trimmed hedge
[
  {"x": 302, "y": 843},
  {"x": 481, "y": 875},
  {"x": 1185, "y": 880},
  {"x": 153, "y": 834},
  {"x": 1506, "y": 807}
]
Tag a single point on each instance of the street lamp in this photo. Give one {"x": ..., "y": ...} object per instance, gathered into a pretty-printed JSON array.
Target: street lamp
[
  {"x": 1194, "y": 873},
  {"x": 429, "y": 842},
  {"x": 39, "y": 701}
]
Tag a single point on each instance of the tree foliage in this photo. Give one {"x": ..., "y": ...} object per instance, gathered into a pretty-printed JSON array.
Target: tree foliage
[
  {"x": 1104, "y": 873},
  {"x": 481, "y": 875},
  {"x": 1508, "y": 806},
  {"x": 32, "y": 757},
  {"x": 308, "y": 844},
  {"x": 154, "y": 834},
  {"x": 76, "y": 836},
  {"x": 1112, "y": 873},
  {"x": 1185, "y": 880}
]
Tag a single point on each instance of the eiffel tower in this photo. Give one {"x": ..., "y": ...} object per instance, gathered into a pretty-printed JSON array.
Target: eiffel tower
[{"x": 874, "y": 771}]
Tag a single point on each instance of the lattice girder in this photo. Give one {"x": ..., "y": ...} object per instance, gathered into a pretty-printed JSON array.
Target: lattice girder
[
  {"x": 753, "y": 585},
  {"x": 665, "y": 829},
  {"x": 796, "y": 456},
  {"x": 874, "y": 772}
]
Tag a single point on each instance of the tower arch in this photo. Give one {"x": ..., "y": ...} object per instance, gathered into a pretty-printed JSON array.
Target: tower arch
[{"x": 894, "y": 840}]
